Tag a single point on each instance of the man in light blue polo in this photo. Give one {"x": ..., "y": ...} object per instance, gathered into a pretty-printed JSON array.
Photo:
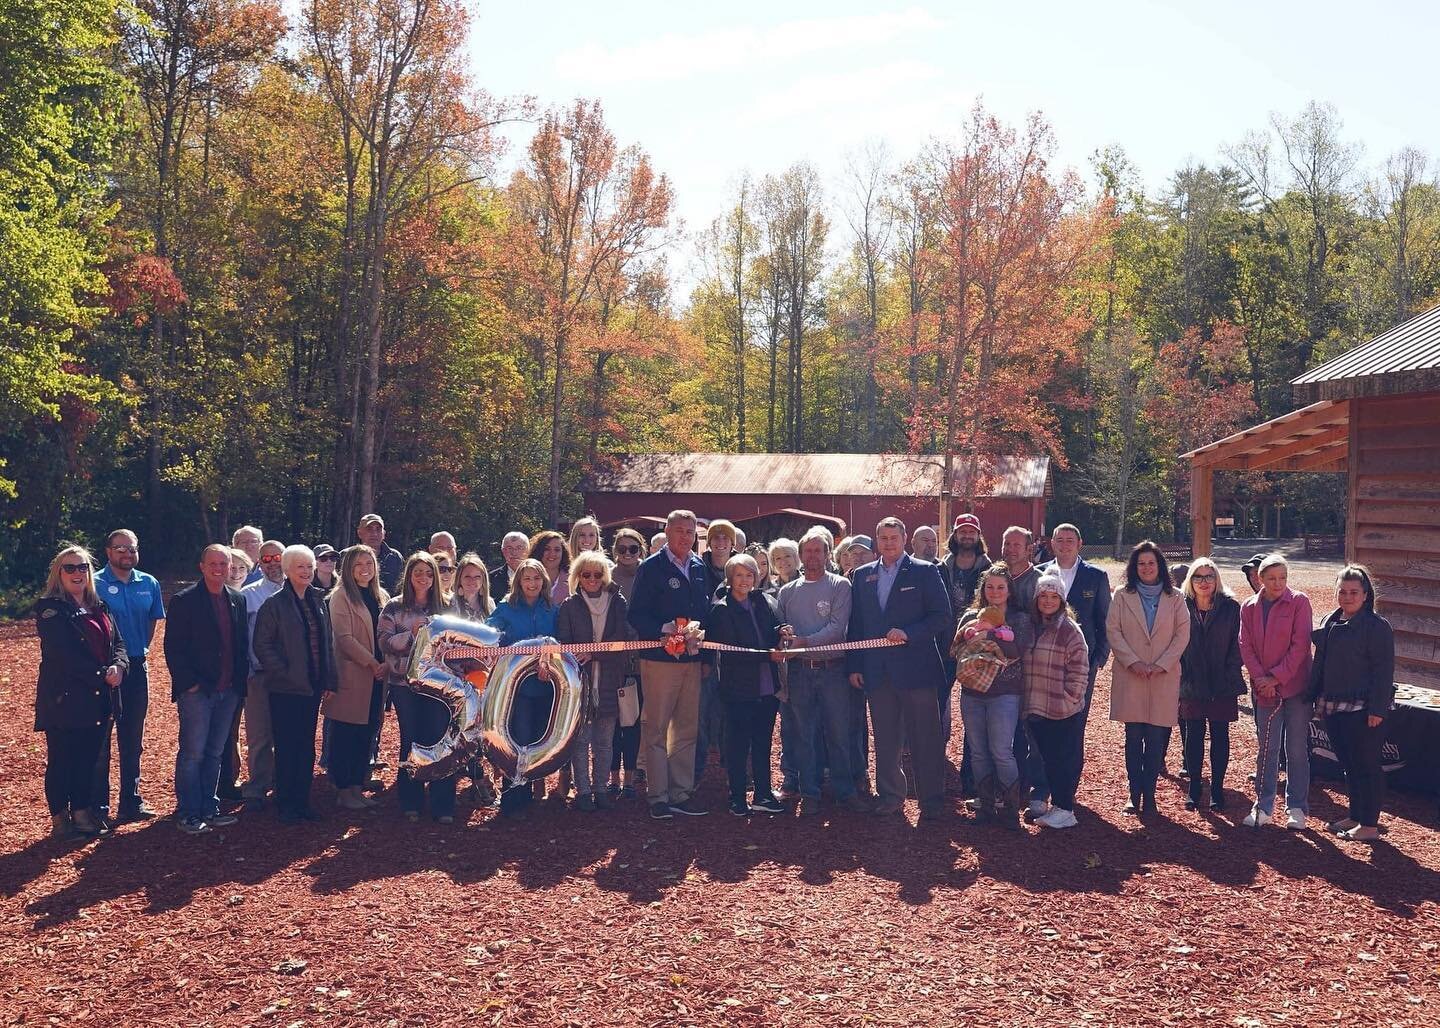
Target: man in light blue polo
[{"x": 134, "y": 601}]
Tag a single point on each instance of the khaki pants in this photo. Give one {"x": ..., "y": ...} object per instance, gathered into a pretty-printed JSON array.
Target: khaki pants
[
  {"x": 259, "y": 741},
  {"x": 669, "y": 723}
]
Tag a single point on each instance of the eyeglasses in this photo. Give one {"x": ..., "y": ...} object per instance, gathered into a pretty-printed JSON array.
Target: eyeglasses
[
  {"x": 274, "y": 558},
  {"x": 74, "y": 569},
  {"x": 630, "y": 550},
  {"x": 447, "y": 569},
  {"x": 596, "y": 576},
  {"x": 125, "y": 549},
  {"x": 1202, "y": 578}
]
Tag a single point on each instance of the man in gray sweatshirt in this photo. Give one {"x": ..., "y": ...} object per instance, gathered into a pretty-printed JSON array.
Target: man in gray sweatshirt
[{"x": 816, "y": 608}]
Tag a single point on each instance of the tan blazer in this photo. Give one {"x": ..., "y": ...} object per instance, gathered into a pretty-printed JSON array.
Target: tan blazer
[
  {"x": 1133, "y": 699},
  {"x": 355, "y": 661}
]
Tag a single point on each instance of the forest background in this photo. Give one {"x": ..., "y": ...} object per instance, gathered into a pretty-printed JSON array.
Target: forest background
[{"x": 288, "y": 266}]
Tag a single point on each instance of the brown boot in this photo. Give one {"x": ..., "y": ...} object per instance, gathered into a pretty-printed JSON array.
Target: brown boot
[
  {"x": 1010, "y": 802},
  {"x": 85, "y": 824},
  {"x": 60, "y": 827}
]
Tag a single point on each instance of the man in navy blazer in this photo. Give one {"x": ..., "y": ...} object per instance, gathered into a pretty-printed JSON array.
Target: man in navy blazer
[
  {"x": 904, "y": 600},
  {"x": 1088, "y": 593}
]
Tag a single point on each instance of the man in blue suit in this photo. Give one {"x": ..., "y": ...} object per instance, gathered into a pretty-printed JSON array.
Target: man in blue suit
[
  {"x": 903, "y": 600},
  {"x": 1088, "y": 593}
]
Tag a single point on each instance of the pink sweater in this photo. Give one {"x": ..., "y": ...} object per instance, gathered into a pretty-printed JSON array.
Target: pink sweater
[{"x": 1281, "y": 646}]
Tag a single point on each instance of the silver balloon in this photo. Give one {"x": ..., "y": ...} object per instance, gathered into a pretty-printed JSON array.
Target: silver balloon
[
  {"x": 431, "y": 674},
  {"x": 522, "y": 763}
]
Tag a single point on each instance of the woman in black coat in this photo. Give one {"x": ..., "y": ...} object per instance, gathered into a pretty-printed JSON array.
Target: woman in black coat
[
  {"x": 1210, "y": 679},
  {"x": 1352, "y": 683},
  {"x": 82, "y": 662},
  {"x": 745, "y": 616}
]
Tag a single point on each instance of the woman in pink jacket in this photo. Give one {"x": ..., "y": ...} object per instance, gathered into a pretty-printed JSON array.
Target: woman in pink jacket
[{"x": 1275, "y": 626}]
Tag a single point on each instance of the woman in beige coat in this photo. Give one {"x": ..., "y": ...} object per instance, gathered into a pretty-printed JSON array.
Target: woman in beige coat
[
  {"x": 355, "y": 605},
  {"x": 1148, "y": 629}
]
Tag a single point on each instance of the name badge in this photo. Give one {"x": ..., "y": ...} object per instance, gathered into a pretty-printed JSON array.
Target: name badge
[
  {"x": 907, "y": 588},
  {"x": 1088, "y": 594},
  {"x": 872, "y": 578}
]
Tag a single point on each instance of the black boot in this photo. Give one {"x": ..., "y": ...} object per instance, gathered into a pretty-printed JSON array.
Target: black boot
[
  {"x": 985, "y": 800},
  {"x": 1217, "y": 793},
  {"x": 1009, "y": 813}
]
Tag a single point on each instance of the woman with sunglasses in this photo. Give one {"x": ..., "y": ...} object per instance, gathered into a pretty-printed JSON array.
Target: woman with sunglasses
[
  {"x": 421, "y": 719},
  {"x": 327, "y": 560},
  {"x": 82, "y": 662},
  {"x": 595, "y": 612},
  {"x": 628, "y": 551},
  {"x": 1210, "y": 679}
]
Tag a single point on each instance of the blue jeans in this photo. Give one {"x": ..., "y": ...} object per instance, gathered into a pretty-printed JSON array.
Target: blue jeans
[
  {"x": 205, "y": 720},
  {"x": 422, "y": 720},
  {"x": 529, "y": 716},
  {"x": 1293, "y": 721},
  {"x": 990, "y": 728},
  {"x": 820, "y": 707}
]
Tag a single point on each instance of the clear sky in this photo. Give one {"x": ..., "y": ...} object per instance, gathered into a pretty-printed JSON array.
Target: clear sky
[{"x": 711, "y": 89}]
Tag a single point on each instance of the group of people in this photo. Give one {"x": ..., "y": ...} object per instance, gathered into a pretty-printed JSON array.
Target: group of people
[{"x": 846, "y": 645}]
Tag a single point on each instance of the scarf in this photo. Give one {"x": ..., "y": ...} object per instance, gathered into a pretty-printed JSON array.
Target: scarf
[
  {"x": 599, "y": 608},
  {"x": 1150, "y": 601}
]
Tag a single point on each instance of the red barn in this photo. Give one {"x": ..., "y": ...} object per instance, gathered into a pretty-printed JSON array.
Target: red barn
[{"x": 773, "y": 494}]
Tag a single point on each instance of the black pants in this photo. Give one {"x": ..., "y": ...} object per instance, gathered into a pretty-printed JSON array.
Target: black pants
[
  {"x": 626, "y": 745},
  {"x": 1357, "y": 747},
  {"x": 292, "y": 720},
  {"x": 349, "y": 753},
  {"x": 1145, "y": 747},
  {"x": 70, "y": 755},
  {"x": 529, "y": 717},
  {"x": 230, "y": 765},
  {"x": 1192, "y": 742},
  {"x": 129, "y": 724},
  {"x": 1062, "y": 748},
  {"x": 749, "y": 729}
]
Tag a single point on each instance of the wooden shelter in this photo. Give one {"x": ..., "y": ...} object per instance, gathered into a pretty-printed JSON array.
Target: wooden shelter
[
  {"x": 1372, "y": 414},
  {"x": 770, "y": 494}
]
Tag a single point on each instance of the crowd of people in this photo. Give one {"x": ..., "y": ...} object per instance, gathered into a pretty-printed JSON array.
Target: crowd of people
[{"x": 275, "y": 638}]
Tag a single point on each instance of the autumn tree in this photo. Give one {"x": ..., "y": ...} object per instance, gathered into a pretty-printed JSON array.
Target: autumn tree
[{"x": 593, "y": 211}]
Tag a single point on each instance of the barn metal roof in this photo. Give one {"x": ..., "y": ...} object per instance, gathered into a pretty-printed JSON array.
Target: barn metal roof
[
  {"x": 825, "y": 474},
  {"x": 1411, "y": 347}
]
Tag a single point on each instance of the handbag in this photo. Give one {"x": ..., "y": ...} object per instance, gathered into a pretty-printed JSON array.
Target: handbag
[{"x": 629, "y": 698}]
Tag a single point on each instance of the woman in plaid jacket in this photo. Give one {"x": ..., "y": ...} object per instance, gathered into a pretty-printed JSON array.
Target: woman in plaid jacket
[{"x": 1057, "y": 670}]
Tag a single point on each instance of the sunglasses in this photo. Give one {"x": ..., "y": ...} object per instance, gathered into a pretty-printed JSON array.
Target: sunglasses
[
  {"x": 631, "y": 549},
  {"x": 272, "y": 559},
  {"x": 74, "y": 569},
  {"x": 329, "y": 558},
  {"x": 447, "y": 569},
  {"x": 597, "y": 576}
]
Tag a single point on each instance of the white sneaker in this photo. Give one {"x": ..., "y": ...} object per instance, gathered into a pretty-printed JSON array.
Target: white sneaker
[
  {"x": 1296, "y": 820},
  {"x": 1057, "y": 818},
  {"x": 1039, "y": 808},
  {"x": 1256, "y": 818}
]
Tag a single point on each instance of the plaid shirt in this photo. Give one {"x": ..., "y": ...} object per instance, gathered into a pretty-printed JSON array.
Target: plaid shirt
[{"x": 1057, "y": 671}]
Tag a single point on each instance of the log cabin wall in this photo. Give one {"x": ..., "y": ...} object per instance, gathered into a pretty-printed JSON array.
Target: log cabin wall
[{"x": 1394, "y": 528}]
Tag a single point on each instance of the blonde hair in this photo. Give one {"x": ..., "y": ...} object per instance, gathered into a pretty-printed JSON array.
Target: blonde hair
[
  {"x": 244, "y": 558},
  {"x": 1188, "y": 588},
  {"x": 587, "y": 559},
  {"x": 742, "y": 560},
  {"x": 585, "y": 522},
  {"x": 55, "y": 589}
]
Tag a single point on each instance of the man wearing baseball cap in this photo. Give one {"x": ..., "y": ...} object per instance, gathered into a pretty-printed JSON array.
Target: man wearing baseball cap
[{"x": 371, "y": 532}]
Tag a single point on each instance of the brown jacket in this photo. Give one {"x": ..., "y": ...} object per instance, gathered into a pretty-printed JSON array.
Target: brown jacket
[
  {"x": 1137, "y": 700},
  {"x": 354, "y": 658}
]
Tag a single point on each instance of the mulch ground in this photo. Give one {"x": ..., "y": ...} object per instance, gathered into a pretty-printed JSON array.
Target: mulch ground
[{"x": 611, "y": 919}]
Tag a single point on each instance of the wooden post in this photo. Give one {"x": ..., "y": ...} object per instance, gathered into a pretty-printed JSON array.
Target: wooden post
[
  {"x": 1201, "y": 508},
  {"x": 1352, "y": 479},
  {"x": 946, "y": 483}
]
